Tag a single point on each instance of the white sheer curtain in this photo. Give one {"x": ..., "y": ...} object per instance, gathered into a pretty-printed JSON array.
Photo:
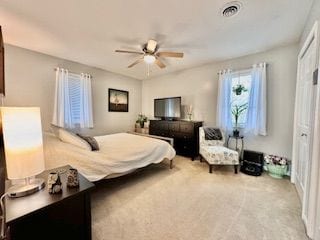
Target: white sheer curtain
[
  {"x": 86, "y": 119},
  {"x": 64, "y": 115},
  {"x": 257, "y": 106},
  {"x": 224, "y": 117},
  {"x": 62, "y": 108}
]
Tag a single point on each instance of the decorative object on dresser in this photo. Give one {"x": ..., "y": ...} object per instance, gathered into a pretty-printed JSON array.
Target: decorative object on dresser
[
  {"x": 189, "y": 112},
  {"x": 142, "y": 125},
  {"x": 2, "y": 85},
  {"x": 184, "y": 133},
  {"x": 141, "y": 120},
  {"x": 22, "y": 136},
  {"x": 45, "y": 216},
  {"x": 118, "y": 100},
  {"x": 54, "y": 183},
  {"x": 72, "y": 178},
  {"x": 212, "y": 149},
  {"x": 252, "y": 163}
]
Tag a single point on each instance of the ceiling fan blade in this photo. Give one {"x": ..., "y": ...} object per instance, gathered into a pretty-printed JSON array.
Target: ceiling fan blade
[
  {"x": 159, "y": 63},
  {"x": 135, "y": 63},
  {"x": 151, "y": 45},
  {"x": 170, "y": 54},
  {"x": 128, "y": 51}
]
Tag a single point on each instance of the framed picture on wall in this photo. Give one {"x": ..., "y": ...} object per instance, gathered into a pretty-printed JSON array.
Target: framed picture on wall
[{"x": 118, "y": 100}]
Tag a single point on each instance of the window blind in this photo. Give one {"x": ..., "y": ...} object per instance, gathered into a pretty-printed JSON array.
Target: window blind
[{"x": 74, "y": 84}]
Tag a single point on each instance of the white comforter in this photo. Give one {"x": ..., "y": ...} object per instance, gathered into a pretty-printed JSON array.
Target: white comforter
[{"x": 119, "y": 153}]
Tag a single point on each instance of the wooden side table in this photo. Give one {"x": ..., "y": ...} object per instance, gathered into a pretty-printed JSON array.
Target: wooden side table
[
  {"x": 52, "y": 216},
  {"x": 237, "y": 138}
]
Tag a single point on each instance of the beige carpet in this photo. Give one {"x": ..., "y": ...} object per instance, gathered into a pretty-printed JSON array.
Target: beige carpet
[{"x": 189, "y": 203}]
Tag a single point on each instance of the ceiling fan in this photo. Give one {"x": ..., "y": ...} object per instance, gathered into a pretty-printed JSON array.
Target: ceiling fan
[{"x": 150, "y": 54}]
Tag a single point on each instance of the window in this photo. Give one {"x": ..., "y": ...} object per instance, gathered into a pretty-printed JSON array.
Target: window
[
  {"x": 74, "y": 85},
  {"x": 73, "y": 100},
  {"x": 243, "y": 88},
  {"x": 240, "y": 91}
]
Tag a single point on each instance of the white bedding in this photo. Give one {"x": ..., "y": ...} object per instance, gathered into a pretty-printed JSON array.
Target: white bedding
[{"x": 119, "y": 153}]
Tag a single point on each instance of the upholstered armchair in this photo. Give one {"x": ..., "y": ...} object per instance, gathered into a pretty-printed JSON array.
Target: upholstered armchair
[{"x": 214, "y": 152}]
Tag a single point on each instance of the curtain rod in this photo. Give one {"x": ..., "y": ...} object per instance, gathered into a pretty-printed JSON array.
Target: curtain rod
[
  {"x": 56, "y": 68},
  {"x": 243, "y": 69}
]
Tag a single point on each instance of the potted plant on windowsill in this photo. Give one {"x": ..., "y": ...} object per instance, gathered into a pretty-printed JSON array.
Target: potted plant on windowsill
[
  {"x": 277, "y": 166},
  {"x": 236, "y": 112},
  {"x": 141, "y": 120},
  {"x": 238, "y": 89}
]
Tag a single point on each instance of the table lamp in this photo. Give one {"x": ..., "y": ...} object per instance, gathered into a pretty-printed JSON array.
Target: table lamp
[{"x": 22, "y": 137}]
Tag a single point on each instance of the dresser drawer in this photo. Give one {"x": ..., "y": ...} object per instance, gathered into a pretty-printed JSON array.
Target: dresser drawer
[
  {"x": 185, "y": 148},
  {"x": 159, "y": 125},
  {"x": 174, "y": 127},
  {"x": 186, "y": 128},
  {"x": 184, "y": 136},
  {"x": 158, "y": 132}
]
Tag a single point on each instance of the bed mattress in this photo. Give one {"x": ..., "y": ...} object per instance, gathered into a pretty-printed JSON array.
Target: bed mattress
[{"x": 119, "y": 154}]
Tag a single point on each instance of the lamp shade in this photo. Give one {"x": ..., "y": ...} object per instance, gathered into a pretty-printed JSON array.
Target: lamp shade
[{"x": 22, "y": 136}]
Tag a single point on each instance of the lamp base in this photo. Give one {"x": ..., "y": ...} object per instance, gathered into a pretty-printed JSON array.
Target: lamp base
[{"x": 31, "y": 186}]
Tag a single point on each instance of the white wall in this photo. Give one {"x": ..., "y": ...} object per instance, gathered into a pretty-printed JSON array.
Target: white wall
[
  {"x": 198, "y": 87},
  {"x": 314, "y": 15},
  {"x": 30, "y": 81}
]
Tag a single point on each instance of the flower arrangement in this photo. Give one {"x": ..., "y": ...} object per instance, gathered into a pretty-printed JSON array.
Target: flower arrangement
[
  {"x": 275, "y": 160},
  {"x": 277, "y": 166},
  {"x": 141, "y": 120},
  {"x": 239, "y": 88}
]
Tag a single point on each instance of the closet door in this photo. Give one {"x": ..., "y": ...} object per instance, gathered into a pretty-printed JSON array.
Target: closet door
[
  {"x": 2, "y": 89},
  {"x": 304, "y": 126}
]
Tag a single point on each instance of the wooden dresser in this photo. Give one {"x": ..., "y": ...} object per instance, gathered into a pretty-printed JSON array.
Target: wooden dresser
[{"x": 184, "y": 133}]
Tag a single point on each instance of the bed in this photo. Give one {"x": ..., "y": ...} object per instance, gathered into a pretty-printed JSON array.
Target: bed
[{"x": 119, "y": 154}]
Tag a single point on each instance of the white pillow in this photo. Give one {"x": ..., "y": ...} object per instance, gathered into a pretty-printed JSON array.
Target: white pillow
[{"x": 69, "y": 137}]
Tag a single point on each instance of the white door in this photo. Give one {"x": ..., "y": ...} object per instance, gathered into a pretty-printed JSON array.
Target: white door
[
  {"x": 317, "y": 215},
  {"x": 304, "y": 124}
]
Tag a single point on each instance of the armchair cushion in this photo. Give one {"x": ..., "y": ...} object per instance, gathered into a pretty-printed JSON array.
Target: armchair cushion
[
  {"x": 204, "y": 142},
  {"x": 212, "y": 133},
  {"x": 219, "y": 155}
]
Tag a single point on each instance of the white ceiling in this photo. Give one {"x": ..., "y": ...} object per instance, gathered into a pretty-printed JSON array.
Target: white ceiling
[{"x": 89, "y": 31}]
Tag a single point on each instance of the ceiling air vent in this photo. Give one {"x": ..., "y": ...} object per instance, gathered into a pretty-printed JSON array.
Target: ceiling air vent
[{"x": 231, "y": 9}]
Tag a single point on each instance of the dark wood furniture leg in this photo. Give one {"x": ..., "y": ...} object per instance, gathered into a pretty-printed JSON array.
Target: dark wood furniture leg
[
  {"x": 236, "y": 169},
  {"x": 88, "y": 231},
  {"x": 210, "y": 168},
  {"x": 171, "y": 164},
  {"x": 200, "y": 158}
]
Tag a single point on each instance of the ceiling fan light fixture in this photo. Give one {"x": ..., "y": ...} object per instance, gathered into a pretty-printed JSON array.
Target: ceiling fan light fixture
[{"x": 149, "y": 59}]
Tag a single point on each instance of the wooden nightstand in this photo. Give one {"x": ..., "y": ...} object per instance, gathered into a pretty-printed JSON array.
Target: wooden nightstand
[{"x": 46, "y": 216}]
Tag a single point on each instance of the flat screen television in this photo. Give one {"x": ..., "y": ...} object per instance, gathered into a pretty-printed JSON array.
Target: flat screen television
[{"x": 167, "y": 108}]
